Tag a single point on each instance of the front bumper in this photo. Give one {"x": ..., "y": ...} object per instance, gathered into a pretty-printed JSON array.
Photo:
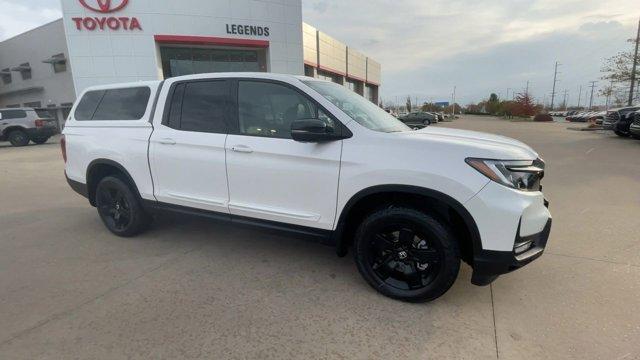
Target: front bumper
[
  {"x": 634, "y": 129},
  {"x": 489, "y": 264},
  {"x": 513, "y": 227}
]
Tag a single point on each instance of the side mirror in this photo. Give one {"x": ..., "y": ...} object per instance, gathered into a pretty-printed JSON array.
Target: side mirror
[{"x": 312, "y": 130}]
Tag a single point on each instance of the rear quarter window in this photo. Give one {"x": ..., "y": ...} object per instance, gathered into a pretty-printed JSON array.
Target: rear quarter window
[
  {"x": 13, "y": 114},
  {"x": 113, "y": 104}
]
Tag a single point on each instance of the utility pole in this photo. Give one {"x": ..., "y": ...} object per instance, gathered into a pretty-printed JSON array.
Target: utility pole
[
  {"x": 507, "y": 97},
  {"x": 453, "y": 105},
  {"x": 593, "y": 85},
  {"x": 633, "y": 69},
  {"x": 565, "y": 99},
  {"x": 526, "y": 91},
  {"x": 555, "y": 80},
  {"x": 579, "y": 97}
]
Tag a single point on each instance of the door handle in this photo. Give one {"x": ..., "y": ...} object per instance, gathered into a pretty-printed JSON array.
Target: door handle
[
  {"x": 167, "y": 141},
  {"x": 242, "y": 149}
]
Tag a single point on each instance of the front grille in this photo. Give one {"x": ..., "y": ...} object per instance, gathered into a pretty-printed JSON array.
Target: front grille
[
  {"x": 636, "y": 119},
  {"x": 612, "y": 117}
]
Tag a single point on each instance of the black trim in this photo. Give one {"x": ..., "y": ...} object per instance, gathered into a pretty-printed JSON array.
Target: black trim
[
  {"x": 489, "y": 264},
  {"x": 77, "y": 186},
  {"x": 470, "y": 223},
  {"x": 320, "y": 235},
  {"x": 110, "y": 163}
]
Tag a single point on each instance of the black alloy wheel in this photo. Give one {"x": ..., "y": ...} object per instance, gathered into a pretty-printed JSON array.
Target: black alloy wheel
[
  {"x": 407, "y": 254},
  {"x": 119, "y": 208}
]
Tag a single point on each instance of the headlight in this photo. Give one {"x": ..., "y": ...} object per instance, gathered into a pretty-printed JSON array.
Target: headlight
[{"x": 518, "y": 174}]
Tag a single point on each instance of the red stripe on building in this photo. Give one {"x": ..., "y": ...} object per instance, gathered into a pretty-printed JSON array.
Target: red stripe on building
[{"x": 210, "y": 40}]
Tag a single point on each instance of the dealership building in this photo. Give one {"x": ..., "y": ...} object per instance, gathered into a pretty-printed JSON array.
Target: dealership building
[{"x": 110, "y": 41}]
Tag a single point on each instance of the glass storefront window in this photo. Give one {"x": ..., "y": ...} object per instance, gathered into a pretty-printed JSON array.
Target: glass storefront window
[{"x": 177, "y": 61}]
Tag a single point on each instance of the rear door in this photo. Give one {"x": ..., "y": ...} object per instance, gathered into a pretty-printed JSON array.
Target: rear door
[
  {"x": 271, "y": 176},
  {"x": 188, "y": 147}
]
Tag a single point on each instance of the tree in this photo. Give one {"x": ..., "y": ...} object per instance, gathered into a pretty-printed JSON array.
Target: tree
[
  {"x": 431, "y": 107},
  {"x": 408, "y": 103},
  {"x": 493, "y": 104},
  {"x": 619, "y": 67},
  {"x": 524, "y": 105}
]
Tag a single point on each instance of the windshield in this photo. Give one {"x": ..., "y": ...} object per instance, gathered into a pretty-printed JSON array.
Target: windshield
[{"x": 363, "y": 111}]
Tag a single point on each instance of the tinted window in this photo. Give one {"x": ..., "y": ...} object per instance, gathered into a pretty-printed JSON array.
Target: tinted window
[
  {"x": 13, "y": 114},
  {"x": 268, "y": 109},
  {"x": 123, "y": 104},
  {"x": 43, "y": 114},
  {"x": 205, "y": 106},
  {"x": 88, "y": 105},
  {"x": 175, "y": 111}
]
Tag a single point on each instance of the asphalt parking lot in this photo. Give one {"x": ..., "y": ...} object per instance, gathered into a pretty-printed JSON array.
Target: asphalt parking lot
[{"x": 194, "y": 289}]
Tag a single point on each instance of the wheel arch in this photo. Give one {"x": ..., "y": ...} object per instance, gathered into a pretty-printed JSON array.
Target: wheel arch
[
  {"x": 100, "y": 168},
  {"x": 11, "y": 128},
  {"x": 384, "y": 195}
]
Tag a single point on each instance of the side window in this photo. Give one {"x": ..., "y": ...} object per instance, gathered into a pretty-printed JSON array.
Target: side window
[
  {"x": 176, "y": 107},
  {"x": 88, "y": 105},
  {"x": 205, "y": 107},
  {"x": 114, "y": 104},
  {"x": 13, "y": 114},
  {"x": 123, "y": 104},
  {"x": 268, "y": 109}
]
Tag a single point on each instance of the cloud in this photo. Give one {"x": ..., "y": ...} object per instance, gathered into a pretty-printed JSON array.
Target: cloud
[
  {"x": 417, "y": 39},
  {"x": 17, "y": 17}
]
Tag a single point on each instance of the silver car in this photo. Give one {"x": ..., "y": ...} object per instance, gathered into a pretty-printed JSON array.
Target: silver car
[{"x": 21, "y": 125}]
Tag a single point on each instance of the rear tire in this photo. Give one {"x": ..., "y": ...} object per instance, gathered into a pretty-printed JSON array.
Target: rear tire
[
  {"x": 120, "y": 208},
  {"x": 18, "y": 138},
  {"x": 40, "y": 141},
  {"x": 406, "y": 254}
]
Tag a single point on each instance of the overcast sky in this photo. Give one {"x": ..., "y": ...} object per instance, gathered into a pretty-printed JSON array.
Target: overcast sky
[{"x": 426, "y": 47}]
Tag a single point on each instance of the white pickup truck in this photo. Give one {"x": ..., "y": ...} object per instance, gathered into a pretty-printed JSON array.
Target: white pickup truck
[{"x": 313, "y": 158}]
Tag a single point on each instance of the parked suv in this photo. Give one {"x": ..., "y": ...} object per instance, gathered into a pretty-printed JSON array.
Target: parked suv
[
  {"x": 619, "y": 120},
  {"x": 21, "y": 125},
  {"x": 419, "y": 119},
  {"x": 315, "y": 159}
]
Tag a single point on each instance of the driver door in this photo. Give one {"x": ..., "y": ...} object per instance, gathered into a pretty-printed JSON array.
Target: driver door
[{"x": 271, "y": 176}]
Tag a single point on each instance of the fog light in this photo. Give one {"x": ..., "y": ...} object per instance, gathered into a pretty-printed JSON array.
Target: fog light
[{"x": 522, "y": 247}]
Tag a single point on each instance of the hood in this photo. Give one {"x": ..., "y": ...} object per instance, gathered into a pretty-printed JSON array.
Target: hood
[{"x": 484, "y": 144}]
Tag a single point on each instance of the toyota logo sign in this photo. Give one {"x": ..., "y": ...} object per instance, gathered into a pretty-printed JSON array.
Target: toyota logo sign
[
  {"x": 107, "y": 22},
  {"x": 104, "y": 6}
]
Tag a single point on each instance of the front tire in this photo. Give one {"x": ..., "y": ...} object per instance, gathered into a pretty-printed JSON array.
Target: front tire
[
  {"x": 426, "y": 122},
  {"x": 119, "y": 207},
  {"x": 407, "y": 254},
  {"x": 18, "y": 138},
  {"x": 620, "y": 133}
]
